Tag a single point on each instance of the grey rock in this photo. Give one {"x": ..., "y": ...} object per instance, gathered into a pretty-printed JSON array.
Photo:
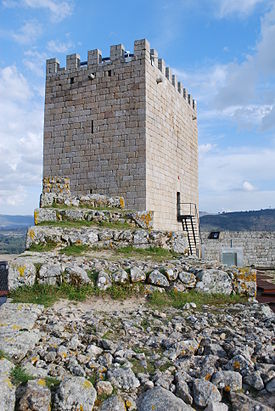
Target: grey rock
[
  {"x": 137, "y": 275},
  {"x": 171, "y": 274},
  {"x": 76, "y": 275},
  {"x": 205, "y": 392},
  {"x": 160, "y": 399},
  {"x": 120, "y": 276},
  {"x": 75, "y": 393},
  {"x": 21, "y": 272},
  {"x": 44, "y": 214},
  {"x": 123, "y": 378},
  {"x": 227, "y": 380},
  {"x": 216, "y": 406},
  {"x": 254, "y": 380},
  {"x": 7, "y": 394},
  {"x": 36, "y": 397},
  {"x": 50, "y": 274},
  {"x": 242, "y": 402},
  {"x": 270, "y": 386},
  {"x": 141, "y": 237},
  {"x": 114, "y": 403},
  {"x": 156, "y": 278},
  {"x": 214, "y": 281},
  {"x": 188, "y": 279},
  {"x": 179, "y": 243},
  {"x": 103, "y": 281},
  {"x": 183, "y": 392}
]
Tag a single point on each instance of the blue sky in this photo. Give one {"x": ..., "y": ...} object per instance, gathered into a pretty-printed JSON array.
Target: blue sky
[{"x": 222, "y": 50}]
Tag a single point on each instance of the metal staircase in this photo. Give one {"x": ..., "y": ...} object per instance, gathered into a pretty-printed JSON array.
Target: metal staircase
[{"x": 189, "y": 217}]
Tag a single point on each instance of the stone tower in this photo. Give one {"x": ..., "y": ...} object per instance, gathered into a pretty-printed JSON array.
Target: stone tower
[{"x": 123, "y": 125}]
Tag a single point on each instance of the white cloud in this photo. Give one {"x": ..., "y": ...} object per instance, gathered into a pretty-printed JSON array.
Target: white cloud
[
  {"x": 226, "y": 175},
  {"x": 28, "y": 33},
  {"x": 232, "y": 7},
  {"x": 55, "y": 46},
  {"x": 205, "y": 148},
  {"x": 59, "y": 10},
  {"x": 247, "y": 186},
  {"x": 20, "y": 141}
]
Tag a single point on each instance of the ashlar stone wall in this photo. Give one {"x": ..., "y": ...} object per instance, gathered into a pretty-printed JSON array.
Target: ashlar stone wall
[{"x": 122, "y": 125}]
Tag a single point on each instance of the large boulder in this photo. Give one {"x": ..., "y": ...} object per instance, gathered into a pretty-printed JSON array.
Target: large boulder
[
  {"x": 123, "y": 378},
  {"x": 228, "y": 380},
  {"x": 36, "y": 396},
  {"x": 204, "y": 392},
  {"x": 137, "y": 275},
  {"x": 50, "y": 274},
  {"x": 214, "y": 281},
  {"x": 76, "y": 275},
  {"x": 160, "y": 399},
  {"x": 103, "y": 281},
  {"x": 75, "y": 393},
  {"x": 156, "y": 278},
  {"x": 21, "y": 272},
  {"x": 114, "y": 403}
]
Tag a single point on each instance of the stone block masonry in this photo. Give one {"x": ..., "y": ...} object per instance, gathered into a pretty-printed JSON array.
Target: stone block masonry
[
  {"x": 252, "y": 247},
  {"x": 122, "y": 125}
]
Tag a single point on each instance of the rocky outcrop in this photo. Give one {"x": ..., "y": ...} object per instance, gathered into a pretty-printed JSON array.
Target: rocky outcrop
[{"x": 140, "y": 358}]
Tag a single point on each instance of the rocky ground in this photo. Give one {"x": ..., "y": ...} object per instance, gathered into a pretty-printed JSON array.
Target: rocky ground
[{"x": 112, "y": 356}]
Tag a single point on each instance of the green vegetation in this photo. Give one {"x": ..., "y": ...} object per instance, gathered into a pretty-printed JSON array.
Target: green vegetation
[
  {"x": 18, "y": 376},
  {"x": 43, "y": 248},
  {"x": 75, "y": 249},
  {"x": 4, "y": 355},
  {"x": 12, "y": 242},
  {"x": 47, "y": 295},
  {"x": 83, "y": 223},
  {"x": 260, "y": 220},
  {"x": 178, "y": 299},
  {"x": 52, "y": 382},
  {"x": 156, "y": 253}
]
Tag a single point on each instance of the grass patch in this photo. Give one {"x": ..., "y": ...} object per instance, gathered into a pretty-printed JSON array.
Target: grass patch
[
  {"x": 154, "y": 252},
  {"x": 18, "y": 376},
  {"x": 178, "y": 299},
  {"x": 93, "y": 275},
  {"x": 124, "y": 291},
  {"x": 51, "y": 382},
  {"x": 75, "y": 249},
  {"x": 47, "y": 295},
  {"x": 84, "y": 223},
  {"x": 40, "y": 248},
  {"x": 4, "y": 355}
]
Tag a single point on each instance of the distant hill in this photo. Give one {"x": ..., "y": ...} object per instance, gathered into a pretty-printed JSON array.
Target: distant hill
[
  {"x": 260, "y": 220},
  {"x": 13, "y": 222}
]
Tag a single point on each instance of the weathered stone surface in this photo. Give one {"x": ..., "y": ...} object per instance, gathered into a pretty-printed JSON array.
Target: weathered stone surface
[
  {"x": 36, "y": 397},
  {"x": 123, "y": 378},
  {"x": 75, "y": 393},
  {"x": 270, "y": 386},
  {"x": 188, "y": 279},
  {"x": 227, "y": 380},
  {"x": 216, "y": 406},
  {"x": 160, "y": 399},
  {"x": 50, "y": 274},
  {"x": 120, "y": 276},
  {"x": 76, "y": 275},
  {"x": 144, "y": 219},
  {"x": 156, "y": 278},
  {"x": 254, "y": 380},
  {"x": 104, "y": 388},
  {"x": 204, "y": 392},
  {"x": 137, "y": 275},
  {"x": 183, "y": 392},
  {"x": 7, "y": 394},
  {"x": 240, "y": 401},
  {"x": 103, "y": 281},
  {"x": 180, "y": 243},
  {"x": 214, "y": 281},
  {"x": 21, "y": 272},
  {"x": 44, "y": 214},
  {"x": 114, "y": 403}
]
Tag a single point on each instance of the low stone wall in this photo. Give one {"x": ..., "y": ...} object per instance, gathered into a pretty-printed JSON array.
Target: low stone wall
[
  {"x": 107, "y": 238},
  {"x": 253, "y": 247},
  {"x": 142, "y": 219},
  {"x": 180, "y": 274}
]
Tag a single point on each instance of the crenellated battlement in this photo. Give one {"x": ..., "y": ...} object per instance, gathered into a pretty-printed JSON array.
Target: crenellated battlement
[{"x": 118, "y": 55}]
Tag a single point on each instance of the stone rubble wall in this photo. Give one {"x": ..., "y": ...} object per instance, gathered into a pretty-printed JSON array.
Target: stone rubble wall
[
  {"x": 179, "y": 274},
  {"x": 258, "y": 247},
  {"x": 107, "y": 238},
  {"x": 142, "y": 219}
]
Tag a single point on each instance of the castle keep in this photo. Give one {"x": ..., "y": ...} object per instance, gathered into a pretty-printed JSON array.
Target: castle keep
[{"x": 123, "y": 125}]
